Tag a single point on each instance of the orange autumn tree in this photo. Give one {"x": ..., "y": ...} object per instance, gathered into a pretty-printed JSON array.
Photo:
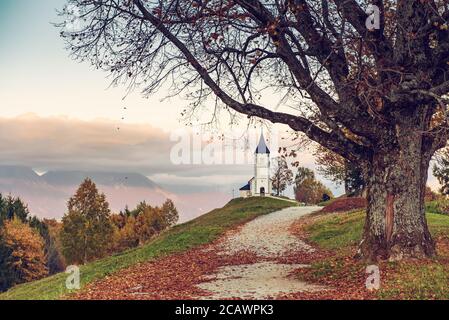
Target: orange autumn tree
[
  {"x": 308, "y": 189},
  {"x": 142, "y": 224},
  {"x": 23, "y": 257}
]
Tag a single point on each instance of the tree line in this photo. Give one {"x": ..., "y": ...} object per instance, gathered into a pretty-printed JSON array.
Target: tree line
[{"x": 33, "y": 248}]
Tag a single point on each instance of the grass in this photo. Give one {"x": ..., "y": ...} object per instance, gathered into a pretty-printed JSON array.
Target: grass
[
  {"x": 342, "y": 230},
  {"x": 434, "y": 207},
  {"x": 337, "y": 231},
  {"x": 201, "y": 230},
  {"x": 438, "y": 224},
  {"x": 340, "y": 233},
  {"x": 413, "y": 281}
]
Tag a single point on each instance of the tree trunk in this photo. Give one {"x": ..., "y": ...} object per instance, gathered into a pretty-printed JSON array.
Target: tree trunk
[
  {"x": 346, "y": 182},
  {"x": 395, "y": 226}
]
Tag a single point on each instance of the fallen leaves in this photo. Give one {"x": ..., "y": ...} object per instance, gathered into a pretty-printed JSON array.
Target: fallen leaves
[
  {"x": 345, "y": 204},
  {"x": 177, "y": 276},
  {"x": 171, "y": 277}
]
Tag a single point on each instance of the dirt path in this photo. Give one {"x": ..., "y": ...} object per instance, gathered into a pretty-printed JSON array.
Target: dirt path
[
  {"x": 253, "y": 262},
  {"x": 269, "y": 239}
]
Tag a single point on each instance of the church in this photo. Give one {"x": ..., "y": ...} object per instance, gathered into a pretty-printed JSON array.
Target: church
[{"x": 260, "y": 184}]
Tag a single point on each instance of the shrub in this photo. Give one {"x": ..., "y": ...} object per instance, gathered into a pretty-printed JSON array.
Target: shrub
[
  {"x": 442, "y": 206},
  {"x": 308, "y": 189},
  {"x": 430, "y": 195},
  {"x": 345, "y": 204}
]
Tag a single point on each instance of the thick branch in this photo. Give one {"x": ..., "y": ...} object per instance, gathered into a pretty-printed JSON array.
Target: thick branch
[
  {"x": 376, "y": 41},
  {"x": 346, "y": 148},
  {"x": 352, "y": 113}
]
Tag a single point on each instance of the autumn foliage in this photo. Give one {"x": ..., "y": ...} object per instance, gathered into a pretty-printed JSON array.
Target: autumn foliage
[
  {"x": 373, "y": 93},
  {"x": 31, "y": 248},
  {"x": 133, "y": 228},
  {"x": 86, "y": 229},
  {"x": 89, "y": 230},
  {"x": 22, "y": 257},
  {"x": 308, "y": 189},
  {"x": 21, "y": 236}
]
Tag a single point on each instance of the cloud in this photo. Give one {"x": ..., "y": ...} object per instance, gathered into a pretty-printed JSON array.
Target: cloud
[{"x": 65, "y": 143}]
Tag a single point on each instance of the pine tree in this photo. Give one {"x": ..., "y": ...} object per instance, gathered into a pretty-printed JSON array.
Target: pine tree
[
  {"x": 54, "y": 259},
  {"x": 11, "y": 207}
]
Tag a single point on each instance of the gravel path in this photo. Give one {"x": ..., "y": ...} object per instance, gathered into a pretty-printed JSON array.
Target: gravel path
[{"x": 267, "y": 237}]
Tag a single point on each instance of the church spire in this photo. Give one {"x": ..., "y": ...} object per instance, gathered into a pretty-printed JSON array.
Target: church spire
[{"x": 262, "y": 146}]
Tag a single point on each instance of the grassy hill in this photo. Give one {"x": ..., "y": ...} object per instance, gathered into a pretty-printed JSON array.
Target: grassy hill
[
  {"x": 339, "y": 235},
  {"x": 202, "y": 230}
]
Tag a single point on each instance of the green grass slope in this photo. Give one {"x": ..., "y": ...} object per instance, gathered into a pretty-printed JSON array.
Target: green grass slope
[
  {"x": 342, "y": 230},
  {"x": 340, "y": 233},
  {"x": 201, "y": 230}
]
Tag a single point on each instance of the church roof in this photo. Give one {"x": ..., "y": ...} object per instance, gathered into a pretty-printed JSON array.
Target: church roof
[
  {"x": 245, "y": 187},
  {"x": 262, "y": 146}
]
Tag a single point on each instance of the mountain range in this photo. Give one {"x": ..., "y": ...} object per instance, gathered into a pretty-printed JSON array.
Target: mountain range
[{"x": 47, "y": 194}]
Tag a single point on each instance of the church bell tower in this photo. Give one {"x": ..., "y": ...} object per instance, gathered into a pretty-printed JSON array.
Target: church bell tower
[{"x": 261, "y": 182}]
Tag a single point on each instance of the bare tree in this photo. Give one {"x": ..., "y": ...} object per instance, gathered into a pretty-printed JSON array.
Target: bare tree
[
  {"x": 282, "y": 176},
  {"x": 375, "y": 96}
]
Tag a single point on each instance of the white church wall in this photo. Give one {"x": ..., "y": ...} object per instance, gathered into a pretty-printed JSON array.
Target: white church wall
[{"x": 262, "y": 173}]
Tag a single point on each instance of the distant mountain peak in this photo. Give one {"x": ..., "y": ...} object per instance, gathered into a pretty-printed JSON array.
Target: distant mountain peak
[
  {"x": 47, "y": 194},
  {"x": 131, "y": 179},
  {"x": 18, "y": 172}
]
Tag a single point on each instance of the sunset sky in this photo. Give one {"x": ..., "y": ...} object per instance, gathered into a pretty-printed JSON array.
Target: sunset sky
[
  {"x": 39, "y": 77},
  {"x": 43, "y": 93}
]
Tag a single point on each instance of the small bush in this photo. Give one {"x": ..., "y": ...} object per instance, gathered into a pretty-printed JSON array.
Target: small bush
[
  {"x": 345, "y": 204},
  {"x": 430, "y": 195},
  {"x": 442, "y": 206},
  {"x": 438, "y": 206}
]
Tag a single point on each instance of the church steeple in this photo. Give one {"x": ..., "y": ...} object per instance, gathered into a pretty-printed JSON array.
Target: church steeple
[
  {"x": 262, "y": 146},
  {"x": 260, "y": 184}
]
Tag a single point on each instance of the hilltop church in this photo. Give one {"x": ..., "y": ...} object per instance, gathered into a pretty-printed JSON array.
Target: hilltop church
[{"x": 260, "y": 184}]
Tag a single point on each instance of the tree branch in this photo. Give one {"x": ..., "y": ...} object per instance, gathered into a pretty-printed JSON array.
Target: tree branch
[{"x": 347, "y": 148}]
